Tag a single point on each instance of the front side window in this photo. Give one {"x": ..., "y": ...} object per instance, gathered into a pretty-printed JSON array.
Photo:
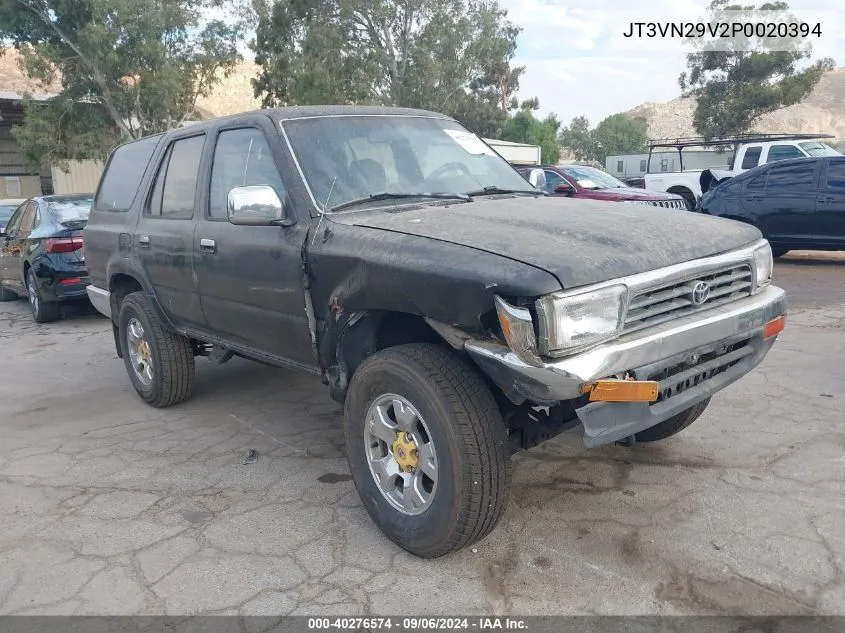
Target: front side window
[
  {"x": 241, "y": 158},
  {"x": 351, "y": 158},
  {"x": 553, "y": 179},
  {"x": 783, "y": 152},
  {"x": 175, "y": 187}
]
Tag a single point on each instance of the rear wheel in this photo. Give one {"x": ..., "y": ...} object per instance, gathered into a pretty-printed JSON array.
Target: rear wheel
[
  {"x": 673, "y": 425},
  {"x": 42, "y": 311},
  {"x": 427, "y": 448},
  {"x": 159, "y": 362}
]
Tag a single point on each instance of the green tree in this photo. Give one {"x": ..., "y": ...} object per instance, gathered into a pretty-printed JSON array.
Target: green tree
[
  {"x": 619, "y": 134},
  {"x": 524, "y": 127},
  {"x": 735, "y": 87},
  {"x": 578, "y": 138},
  {"x": 451, "y": 56},
  {"x": 128, "y": 68}
]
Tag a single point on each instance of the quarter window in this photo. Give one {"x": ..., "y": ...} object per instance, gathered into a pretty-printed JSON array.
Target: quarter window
[
  {"x": 175, "y": 187},
  {"x": 241, "y": 158},
  {"x": 124, "y": 173}
]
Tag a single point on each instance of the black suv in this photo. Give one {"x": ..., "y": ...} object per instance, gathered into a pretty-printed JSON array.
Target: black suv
[{"x": 458, "y": 313}]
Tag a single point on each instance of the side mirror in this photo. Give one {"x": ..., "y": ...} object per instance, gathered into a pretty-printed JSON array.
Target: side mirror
[
  {"x": 564, "y": 188},
  {"x": 537, "y": 178},
  {"x": 257, "y": 205}
]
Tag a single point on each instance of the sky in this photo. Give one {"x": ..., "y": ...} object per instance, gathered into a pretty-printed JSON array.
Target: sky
[{"x": 578, "y": 63}]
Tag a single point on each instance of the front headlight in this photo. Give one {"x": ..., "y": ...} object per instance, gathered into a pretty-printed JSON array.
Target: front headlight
[
  {"x": 568, "y": 322},
  {"x": 763, "y": 264}
]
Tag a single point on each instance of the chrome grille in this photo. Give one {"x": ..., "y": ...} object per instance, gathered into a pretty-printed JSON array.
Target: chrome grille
[
  {"x": 669, "y": 204},
  {"x": 671, "y": 301}
]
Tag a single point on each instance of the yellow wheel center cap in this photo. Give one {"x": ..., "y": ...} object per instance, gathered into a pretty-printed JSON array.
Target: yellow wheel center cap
[
  {"x": 405, "y": 453},
  {"x": 144, "y": 350}
]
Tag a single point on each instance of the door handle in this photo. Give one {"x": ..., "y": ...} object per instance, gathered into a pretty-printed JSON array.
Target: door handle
[
  {"x": 144, "y": 241},
  {"x": 207, "y": 245},
  {"x": 826, "y": 199}
]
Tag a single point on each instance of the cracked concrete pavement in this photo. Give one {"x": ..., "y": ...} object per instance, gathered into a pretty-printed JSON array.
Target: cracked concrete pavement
[{"x": 108, "y": 506}]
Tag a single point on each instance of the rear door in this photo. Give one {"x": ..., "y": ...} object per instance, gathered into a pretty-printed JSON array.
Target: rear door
[
  {"x": 790, "y": 201},
  {"x": 250, "y": 277},
  {"x": 164, "y": 235},
  {"x": 830, "y": 203}
]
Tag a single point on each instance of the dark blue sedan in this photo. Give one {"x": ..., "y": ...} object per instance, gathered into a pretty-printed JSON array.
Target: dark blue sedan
[{"x": 41, "y": 255}]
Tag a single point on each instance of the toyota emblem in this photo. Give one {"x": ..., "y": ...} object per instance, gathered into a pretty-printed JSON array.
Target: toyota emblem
[{"x": 700, "y": 293}]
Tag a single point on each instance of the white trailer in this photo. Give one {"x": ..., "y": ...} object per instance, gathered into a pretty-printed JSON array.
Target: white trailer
[{"x": 517, "y": 153}]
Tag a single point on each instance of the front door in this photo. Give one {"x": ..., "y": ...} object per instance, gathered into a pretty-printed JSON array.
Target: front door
[
  {"x": 830, "y": 204},
  {"x": 250, "y": 277},
  {"x": 163, "y": 240}
]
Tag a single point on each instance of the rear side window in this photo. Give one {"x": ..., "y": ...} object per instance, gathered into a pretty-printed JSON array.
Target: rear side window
[
  {"x": 791, "y": 178},
  {"x": 123, "y": 174},
  {"x": 175, "y": 187},
  {"x": 836, "y": 174},
  {"x": 782, "y": 152},
  {"x": 751, "y": 157}
]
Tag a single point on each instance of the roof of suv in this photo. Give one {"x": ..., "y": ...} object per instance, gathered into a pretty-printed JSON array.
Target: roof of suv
[{"x": 304, "y": 112}]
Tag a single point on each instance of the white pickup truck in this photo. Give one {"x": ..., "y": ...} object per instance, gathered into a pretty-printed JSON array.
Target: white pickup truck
[{"x": 749, "y": 151}]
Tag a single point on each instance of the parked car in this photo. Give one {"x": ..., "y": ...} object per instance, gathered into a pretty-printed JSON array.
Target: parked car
[
  {"x": 796, "y": 204},
  {"x": 41, "y": 254},
  {"x": 749, "y": 151},
  {"x": 7, "y": 208},
  {"x": 582, "y": 181},
  {"x": 458, "y": 313}
]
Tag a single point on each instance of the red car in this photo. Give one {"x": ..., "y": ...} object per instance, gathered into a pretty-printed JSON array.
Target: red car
[{"x": 582, "y": 181}]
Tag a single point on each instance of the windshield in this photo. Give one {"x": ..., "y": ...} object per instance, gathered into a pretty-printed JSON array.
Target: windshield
[
  {"x": 592, "y": 178},
  {"x": 819, "y": 149},
  {"x": 350, "y": 158},
  {"x": 72, "y": 210},
  {"x": 6, "y": 213}
]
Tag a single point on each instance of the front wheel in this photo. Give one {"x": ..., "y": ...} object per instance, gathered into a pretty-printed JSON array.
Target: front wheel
[
  {"x": 427, "y": 448},
  {"x": 159, "y": 362}
]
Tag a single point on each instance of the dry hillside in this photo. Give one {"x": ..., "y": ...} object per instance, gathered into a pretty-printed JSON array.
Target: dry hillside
[{"x": 823, "y": 112}]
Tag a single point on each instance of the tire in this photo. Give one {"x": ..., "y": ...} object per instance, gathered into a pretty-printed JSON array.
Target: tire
[
  {"x": 8, "y": 295},
  {"x": 673, "y": 425},
  {"x": 42, "y": 311},
  {"x": 168, "y": 356},
  {"x": 463, "y": 425},
  {"x": 779, "y": 251}
]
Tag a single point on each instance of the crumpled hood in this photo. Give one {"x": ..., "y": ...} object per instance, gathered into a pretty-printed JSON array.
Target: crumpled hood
[{"x": 578, "y": 241}]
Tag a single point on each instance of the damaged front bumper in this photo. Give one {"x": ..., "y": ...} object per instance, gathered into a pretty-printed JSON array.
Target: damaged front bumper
[{"x": 691, "y": 358}]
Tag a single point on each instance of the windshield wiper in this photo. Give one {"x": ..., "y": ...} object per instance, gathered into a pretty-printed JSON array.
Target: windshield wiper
[
  {"x": 492, "y": 189},
  {"x": 402, "y": 196}
]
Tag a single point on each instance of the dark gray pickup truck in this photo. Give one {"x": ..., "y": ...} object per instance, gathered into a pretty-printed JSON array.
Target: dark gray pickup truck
[{"x": 458, "y": 313}]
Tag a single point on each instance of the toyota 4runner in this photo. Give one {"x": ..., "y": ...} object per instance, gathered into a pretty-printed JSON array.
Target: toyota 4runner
[{"x": 457, "y": 312}]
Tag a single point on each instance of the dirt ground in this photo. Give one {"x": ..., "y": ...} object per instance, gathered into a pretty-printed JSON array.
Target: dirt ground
[{"x": 110, "y": 507}]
